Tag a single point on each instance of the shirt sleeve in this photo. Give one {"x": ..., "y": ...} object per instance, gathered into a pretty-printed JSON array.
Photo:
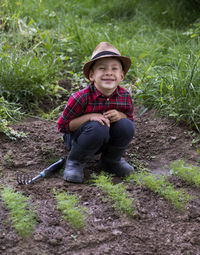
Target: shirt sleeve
[{"x": 73, "y": 109}]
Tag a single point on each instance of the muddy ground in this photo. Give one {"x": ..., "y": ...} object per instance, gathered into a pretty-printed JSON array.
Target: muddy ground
[{"x": 158, "y": 228}]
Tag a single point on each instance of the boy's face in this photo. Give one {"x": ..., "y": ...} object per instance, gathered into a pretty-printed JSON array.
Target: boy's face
[{"x": 106, "y": 74}]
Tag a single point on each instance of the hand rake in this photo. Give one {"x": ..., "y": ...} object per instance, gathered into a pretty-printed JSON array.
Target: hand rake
[{"x": 24, "y": 178}]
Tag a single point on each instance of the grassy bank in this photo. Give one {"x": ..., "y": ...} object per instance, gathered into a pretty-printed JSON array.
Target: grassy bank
[{"x": 43, "y": 41}]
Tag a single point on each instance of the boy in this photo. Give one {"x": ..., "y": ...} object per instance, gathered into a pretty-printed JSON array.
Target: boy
[{"x": 99, "y": 118}]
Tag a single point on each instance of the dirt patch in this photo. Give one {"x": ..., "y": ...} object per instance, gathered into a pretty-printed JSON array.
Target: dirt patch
[{"x": 157, "y": 228}]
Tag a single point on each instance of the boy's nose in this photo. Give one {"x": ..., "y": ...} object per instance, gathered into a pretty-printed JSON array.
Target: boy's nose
[{"x": 108, "y": 71}]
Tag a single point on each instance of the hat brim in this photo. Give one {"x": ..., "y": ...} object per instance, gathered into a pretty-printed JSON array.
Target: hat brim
[{"x": 125, "y": 61}]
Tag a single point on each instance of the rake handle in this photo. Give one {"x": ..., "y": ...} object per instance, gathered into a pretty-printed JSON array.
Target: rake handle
[{"x": 55, "y": 166}]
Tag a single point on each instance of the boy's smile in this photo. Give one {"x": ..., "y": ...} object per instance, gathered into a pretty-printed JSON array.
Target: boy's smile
[{"x": 106, "y": 74}]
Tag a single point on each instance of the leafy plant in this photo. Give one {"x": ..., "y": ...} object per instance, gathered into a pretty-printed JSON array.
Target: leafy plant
[
  {"x": 116, "y": 193},
  {"x": 195, "y": 138},
  {"x": 10, "y": 132},
  {"x": 71, "y": 210},
  {"x": 196, "y": 30},
  {"x": 22, "y": 216},
  {"x": 163, "y": 188},
  {"x": 189, "y": 173},
  {"x": 9, "y": 112},
  {"x": 8, "y": 160}
]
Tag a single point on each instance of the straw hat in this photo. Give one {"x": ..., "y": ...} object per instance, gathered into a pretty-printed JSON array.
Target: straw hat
[{"x": 105, "y": 50}]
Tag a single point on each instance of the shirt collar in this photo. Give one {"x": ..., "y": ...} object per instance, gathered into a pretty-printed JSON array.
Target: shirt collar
[{"x": 97, "y": 93}]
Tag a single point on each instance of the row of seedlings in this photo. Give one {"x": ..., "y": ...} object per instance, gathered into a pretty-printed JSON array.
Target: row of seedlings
[
  {"x": 24, "y": 218},
  {"x": 160, "y": 186},
  {"x": 188, "y": 173}
]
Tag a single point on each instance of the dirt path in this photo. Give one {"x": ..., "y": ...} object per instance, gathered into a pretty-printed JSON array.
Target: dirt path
[{"x": 158, "y": 227}]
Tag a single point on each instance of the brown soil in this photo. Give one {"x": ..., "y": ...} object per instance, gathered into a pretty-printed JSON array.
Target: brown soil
[{"x": 158, "y": 228}]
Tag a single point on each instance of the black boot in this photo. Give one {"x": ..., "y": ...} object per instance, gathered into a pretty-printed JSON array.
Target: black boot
[
  {"x": 75, "y": 163},
  {"x": 112, "y": 161}
]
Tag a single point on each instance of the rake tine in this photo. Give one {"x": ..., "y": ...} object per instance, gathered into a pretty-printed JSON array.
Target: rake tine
[
  {"x": 19, "y": 178},
  {"x": 18, "y": 181},
  {"x": 28, "y": 179},
  {"x": 24, "y": 178}
]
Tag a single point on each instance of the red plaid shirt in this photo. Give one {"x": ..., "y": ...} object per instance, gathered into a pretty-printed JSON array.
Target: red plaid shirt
[{"x": 91, "y": 100}]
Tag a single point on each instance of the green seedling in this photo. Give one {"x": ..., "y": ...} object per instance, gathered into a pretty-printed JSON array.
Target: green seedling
[
  {"x": 189, "y": 173},
  {"x": 22, "y": 216},
  {"x": 74, "y": 237},
  {"x": 116, "y": 193},
  {"x": 71, "y": 211},
  {"x": 138, "y": 164},
  {"x": 8, "y": 159},
  {"x": 163, "y": 188}
]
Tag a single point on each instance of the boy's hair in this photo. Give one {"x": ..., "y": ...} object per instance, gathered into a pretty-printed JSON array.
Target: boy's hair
[
  {"x": 92, "y": 65},
  {"x": 105, "y": 50}
]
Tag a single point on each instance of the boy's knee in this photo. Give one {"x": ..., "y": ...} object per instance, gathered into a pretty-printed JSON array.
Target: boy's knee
[
  {"x": 124, "y": 127},
  {"x": 97, "y": 131}
]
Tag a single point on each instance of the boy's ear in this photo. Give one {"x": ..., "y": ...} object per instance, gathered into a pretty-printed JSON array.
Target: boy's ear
[
  {"x": 91, "y": 76},
  {"x": 122, "y": 76}
]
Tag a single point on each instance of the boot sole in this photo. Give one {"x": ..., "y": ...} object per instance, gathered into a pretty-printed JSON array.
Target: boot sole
[{"x": 71, "y": 179}]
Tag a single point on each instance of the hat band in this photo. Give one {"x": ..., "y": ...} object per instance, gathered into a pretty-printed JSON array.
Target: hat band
[{"x": 103, "y": 53}]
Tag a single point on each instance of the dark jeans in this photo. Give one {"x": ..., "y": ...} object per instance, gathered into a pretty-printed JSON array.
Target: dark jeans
[{"x": 93, "y": 137}]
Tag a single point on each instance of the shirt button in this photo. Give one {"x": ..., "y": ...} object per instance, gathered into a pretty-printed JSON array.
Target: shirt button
[{"x": 107, "y": 99}]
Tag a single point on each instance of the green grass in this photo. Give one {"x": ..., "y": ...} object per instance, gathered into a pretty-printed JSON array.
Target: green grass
[
  {"x": 116, "y": 193},
  {"x": 43, "y": 41},
  {"x": 71, "y": 210},
  {"x": 22, "y": 215},
  {"x": 189, "y": 173},
  {"x": 159, "y": 185}
]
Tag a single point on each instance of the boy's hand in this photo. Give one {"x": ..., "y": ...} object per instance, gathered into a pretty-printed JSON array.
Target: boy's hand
[
  {"x": 114, "y": 115},
  {"x": 100, "y": 118}
]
